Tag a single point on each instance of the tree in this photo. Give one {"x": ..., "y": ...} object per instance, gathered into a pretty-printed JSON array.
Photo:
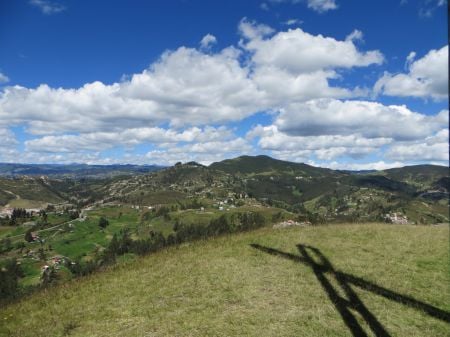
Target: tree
[
  {"x": 10, "y": 272},
  {"x": 74, "y": 214},
  {"x": 42, "y": 255},
  {"x": 49, "y": 275},
  {"x": 44, "y": 216},
  {"x": 28, "y": 236},
  {"x": 103, "y": 222}
]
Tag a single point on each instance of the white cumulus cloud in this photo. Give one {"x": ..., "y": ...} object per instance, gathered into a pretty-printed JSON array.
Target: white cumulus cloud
[
  {"x": 432, "y": 148},
  {"x": 427, "y": 77},
  {"x": 207, "y": 41},
  {"x": 297, "y": 51},
  {"x": 370, "y": 119}
]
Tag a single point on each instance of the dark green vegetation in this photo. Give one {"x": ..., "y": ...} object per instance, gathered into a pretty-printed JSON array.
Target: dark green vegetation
[
  {"x": 262, "y": 283},
  {"x": 91, "y": 223}
]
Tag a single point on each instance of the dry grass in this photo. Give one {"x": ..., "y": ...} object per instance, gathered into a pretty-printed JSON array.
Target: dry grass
[{"x": 224, "y": 287}]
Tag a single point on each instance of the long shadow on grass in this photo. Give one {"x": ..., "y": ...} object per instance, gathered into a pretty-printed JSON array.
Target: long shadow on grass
[{"x": 309, "y": 255}]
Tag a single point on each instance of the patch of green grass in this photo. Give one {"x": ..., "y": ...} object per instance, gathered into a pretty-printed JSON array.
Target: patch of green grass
[
  {"x": 156, "y": 198},
  {"x": 7, "y": 231},
  {"x": 56, "y": 219},
  {"x": 26, "y": 203},
  {"x": 82, "y": 240},
  {"x": 224, "y": 287},
  {"x": 32, "y": 270},
  {"x": 28, "y": 189},
  {"x": 86, "y": 237}
]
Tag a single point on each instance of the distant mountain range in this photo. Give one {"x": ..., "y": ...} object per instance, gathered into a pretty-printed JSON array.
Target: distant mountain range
[{"x": 74, "y": 170}]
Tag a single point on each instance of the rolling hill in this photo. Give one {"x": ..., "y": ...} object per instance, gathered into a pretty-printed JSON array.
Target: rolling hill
[
  {"x": 267, "y": 165},
  {"x": 423, "y": 176},
  {"x": 419, "y": 191}
]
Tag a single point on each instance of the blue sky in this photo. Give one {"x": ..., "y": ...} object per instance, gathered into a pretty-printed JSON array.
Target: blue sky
[{"x": 333, "y": 83}]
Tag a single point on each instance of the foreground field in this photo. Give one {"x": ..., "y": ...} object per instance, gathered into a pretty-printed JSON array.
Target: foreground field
[{"x": 314, "y": 281}]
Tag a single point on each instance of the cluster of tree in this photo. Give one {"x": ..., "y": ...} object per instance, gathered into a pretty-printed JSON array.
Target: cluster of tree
[
  {"x": 239, "y": 222},
  {"x": 313, "y": 218},
  {"x": 10, "y": 272},
  {"x": 73, "y": 214},
  {"x": 164, "y": 212},
  {"x": 28, "y": 236},
  {"x": 49, "y": 276},
  {"x": 20, "y": 213},
  {"x": 5, "y": 245},
  {"x": 17, "y": 215},
  {"x": 190, "y": 204},
  {"x": 103, "y": 222},
  {"x": 123, "y": 243},
  {"x": 44, "y": 217},
  {"x": 83, "y": 268}
]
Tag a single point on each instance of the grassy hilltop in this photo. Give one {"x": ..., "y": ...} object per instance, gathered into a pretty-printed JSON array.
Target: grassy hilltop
[{"x": 263, "y": 283}]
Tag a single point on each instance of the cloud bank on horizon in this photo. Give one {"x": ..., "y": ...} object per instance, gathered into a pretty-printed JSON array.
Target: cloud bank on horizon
[{"x": 276, "y": 92}]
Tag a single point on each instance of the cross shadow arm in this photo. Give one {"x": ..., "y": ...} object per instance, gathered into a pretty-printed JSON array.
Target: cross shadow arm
[{"x": 362, "y": 283}]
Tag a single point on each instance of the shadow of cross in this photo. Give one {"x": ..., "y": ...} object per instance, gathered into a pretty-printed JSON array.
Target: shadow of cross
[{"x": 343, "y": 305}]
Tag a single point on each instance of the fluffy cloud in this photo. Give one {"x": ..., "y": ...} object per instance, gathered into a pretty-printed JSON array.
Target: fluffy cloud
[
  {"x": 427, "y": 77},
  {"x": 207, "y": 41},
  {"x": 252, "y": 30},
  {"x": 378, "y": 165},
  {"x": 296, "y": 66},
  {"x": 297, "y": 51},
  {"x": 185, "y": 87},
  {"x": 98, "y": 141},
  {"x": 7, "y": 138},
  {"x": 370, "y": 119},
  {"x": 432, "y": 148},
  {"x": 8, "y": 145},
  {"x": 324, "y": 147},
  {"x": 328, "y": 129},
  {"x": 189, "y": 87},
  {"x": 280, "y": 87},
  {"x": 202, "y": 152}
]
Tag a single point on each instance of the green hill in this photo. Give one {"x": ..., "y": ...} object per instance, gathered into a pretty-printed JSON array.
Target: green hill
[
  {"x": 423, "y": 176},
  {"x": 27, "y": 192},
  {"x": 303, "y": 281},
  {"x": 266, "y": 164}
]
